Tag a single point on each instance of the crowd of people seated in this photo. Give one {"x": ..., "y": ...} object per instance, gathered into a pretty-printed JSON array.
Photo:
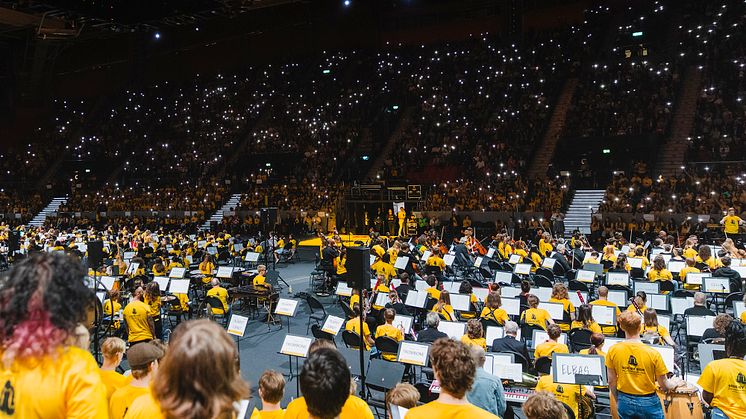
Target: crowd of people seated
[
  {"x": 703, "y": 191},
  {"x": 203, "y": 198}
]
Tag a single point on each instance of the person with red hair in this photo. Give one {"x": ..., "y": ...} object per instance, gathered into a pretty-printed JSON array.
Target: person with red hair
[{"x": 43, "y": 300}]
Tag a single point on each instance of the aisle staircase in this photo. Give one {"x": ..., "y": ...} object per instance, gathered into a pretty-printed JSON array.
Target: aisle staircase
[
  {"x": 232, "y": 202},
  {"x": 51, "y": 208},
  {"x": 404, "y": 123},
  {"x": 543, "y": 157},
  {"x": 583, "y": 205},
  {"x": 673, "y": 152}
]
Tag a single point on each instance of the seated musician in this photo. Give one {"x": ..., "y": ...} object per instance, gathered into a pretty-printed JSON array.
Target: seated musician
[
  {"x": 505, "y": 248},
  {"x": 354, "y": 325},
  {"x": 466, "y": 289},
  {"x": 158, "y": 268},
  {"x": 545, "y": 244},
  {"x": 593, "y": 258},
  {"x": 704, "y": 256},
  {"x": 340, "y": 263},
  {"x": 206, "y": 268},
  {"x": 396, "y": 304},
  {"x": 436, "y": 261},
  {"x": 567, "y": 394},
  {"x": 633, "y": 370},
  {"x": 597, "y": 342},
  {"x": 111, "y": 307},
  {"x": 603, "y": 300},
  {"x": 608, "y": 254},
  {"x": 560, "y": 295},
  {"x": 153, "y": 300},
  {"x": 641, "y": 298},
  {"x": 431, "y": 333},
  {"x": 175, "y": 263},
  {"x": 653, "y": 331},
  {"x": 384, "y": 267},
  {"x": 659, "y": 272},
  {"x": 552, "y": 345},
  {"x": 377, "y": 249},
  {"x": 474, "y": 334},
  {"x": 389, "y": 330},
  {"x": 433, "y": 289},
  {"x": 354, "y": 298},
  {"x": 689, "y": 268},
  {"x": 455, "y": 369},
  {"x": 535, "y": 315},
  {"x": 380, "y": 288},
  {"x": 444, "y": 308},
  {"x": 260, "y": 277},
  {"x": 492, "y": 310},
  {"x": 543, "y": 405},
  {"x": 520, "y": 250},
  {"x": 722, "y": 381},
  {"x": 404, "y": 288},
  {"x": 221, "y": 294},
  {"x": 585, "y": 320}
]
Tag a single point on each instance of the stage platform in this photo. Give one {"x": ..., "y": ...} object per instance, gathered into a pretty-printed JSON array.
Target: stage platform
[{"x": 347, "y": 239}]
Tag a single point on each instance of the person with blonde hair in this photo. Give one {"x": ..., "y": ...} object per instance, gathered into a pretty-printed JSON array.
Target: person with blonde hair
[
  {"x": 198, "y": 377},
  {"x": 560, "y": 295},
  {"x": 402, "y": 395},
  {"x": 652, "y": 330},
  {"x": 634, "y": 369},
  {"x": 113, "y": 352},
  {"x": 271, "y": 391}
]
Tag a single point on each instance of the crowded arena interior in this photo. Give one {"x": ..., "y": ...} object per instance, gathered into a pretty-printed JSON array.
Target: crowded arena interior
[{"x": 478, "y": 209}]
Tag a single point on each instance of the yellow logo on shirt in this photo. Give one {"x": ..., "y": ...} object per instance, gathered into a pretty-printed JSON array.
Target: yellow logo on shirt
[
  {"x": 741, "y": 379},
  {"x": 632, "y": 361},
  {"x": 7, "y": 399},
  {"x": 560, "y": 389}
]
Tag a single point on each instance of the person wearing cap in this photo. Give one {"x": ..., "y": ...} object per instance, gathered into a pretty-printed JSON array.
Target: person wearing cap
[{"x": 143, "y": 360}]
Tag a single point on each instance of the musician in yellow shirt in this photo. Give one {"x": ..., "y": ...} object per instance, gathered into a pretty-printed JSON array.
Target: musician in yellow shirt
[
  {"x": 271, "y": 391},
  {"x": 113, "y": 352},
  {"x": 534, "y": 315},
  {"x": 432, "y": 289},
  {"x": 384, "y": 267},
  {"x": 552, "y": 345},
  {"x": 731, "y": 222},
  {"x": 689, "y": 268},
  {"x": 560, "y": 295},
  {"x": 723, "y": 381},
  {"x": 221, "y": 294},
  {"x": 585, "y": 319},
  {"x": 705, "y": 256},
  {"x": 474, "y": 334},
  {"x": 455, "y": 369},
  {"x": 659, "y": 272},
  {"x": 652, "y": 330},
  {"x": 444, "y": 307},
  {"x": 634, "y": 369},
  {"x": 43, "y": 374},
  {"x": 603, "y": 300},
  {"x": 354, "y": 325},
  {"x": 389, "y": 330},
  {"x": 206, "y": 268},
  {"x": 567, "y": 394},
  {"x": 545, "y": 244},
  {"x": 260, "y": 277},
  {"x": 402, "y": 216},
  {"x": 492, "y": 310},
  {"x": 436, "y": 259}
]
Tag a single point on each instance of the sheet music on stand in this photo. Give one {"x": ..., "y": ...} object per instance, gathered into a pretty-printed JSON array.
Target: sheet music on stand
[{"x": 586, "y": 370}]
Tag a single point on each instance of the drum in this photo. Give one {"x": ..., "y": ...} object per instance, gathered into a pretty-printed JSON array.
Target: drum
[{"x": 684, "y": 402}]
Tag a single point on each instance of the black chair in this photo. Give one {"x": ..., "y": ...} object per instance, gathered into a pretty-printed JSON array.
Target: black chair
[
  {"x": 381, "y": 377},
  {"x": 487, "y": 323},
  {"x": 519, "y": 359},
  {"x": 314, "y": 305},
  {"x": 347, "y": 310},
  {"x": 351, "y": 339},
  {"x": 734, "y": 296},
  {"x": 320, "y": 334},
  {"x": 542, "y": 281},
  {"x": 543, "y": 365},
  {"x": 545, "y": 272},
  {"x": 666, "y": 287},
  {"x": 579, "y": 339},
  {"x": 574, "y": 285},
  {"x": 214, "y": 302},
  {"x": 527, "y": 331},
  {"x": 681, "y": 293},
  {"x": 387, "y": 346}
]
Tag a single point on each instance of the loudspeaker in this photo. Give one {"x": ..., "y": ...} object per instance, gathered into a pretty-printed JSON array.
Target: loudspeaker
[
  {"x": 358, "y": 267},
  {"x": 95, "y": 254},
  {"x": 14, "y": 241}
]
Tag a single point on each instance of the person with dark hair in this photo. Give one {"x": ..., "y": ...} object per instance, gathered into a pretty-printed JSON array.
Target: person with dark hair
[
  {"x": 726, "y": 271},
  {"x": 535, "y": 315},
  {"x": 603, "y": 300},
  {"x": 597, "y": 340},
  {"x": 153, "y": 300},
  {"x": 552, "y": 345},
  {"x": 354, "y": 325},
  {"x": 492, "y": 310},
  {"x": 585, "y": 319},
  {"x": 325, "y": 383},
  {"x": 43, "y": 299},
  {"x": 641, "y": 298},
  {"x": 198, "y": 377},
  {"x": 455, "y": 369},
  {"x": 723, "y": 381}
]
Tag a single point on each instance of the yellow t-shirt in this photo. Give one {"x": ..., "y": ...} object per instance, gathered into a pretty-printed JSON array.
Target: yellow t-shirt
[
  {"x": 536, "y": 316},
  {"x": 222, "y": 295},
  {"x": 354, "y": 298},
  {"x": 499, "y": 315},
  {"x": 545, "y": 248},
  {"x": 67, "y": 385},
  {"x": 481, "y": 342},
  {"x": 354, "y": 408},
  {"x": 607, "y": 330},
  {"x": 690, "y": 253},
  {"x": 682, "y": 275},
  {"x": 145, "y": 407},
  {"x": 730, "y": 223},
  {"x": 390, "y": 331},
  {"x": 385, "y": 269},
  {"x": 275, "y": 414},
  {"x": 550, "y": 347},
  {"x": 436, "y": 261},
  {"x": 567, "y": 394},
  {"x": 743, "y": 317},
  {"x": 354, "y": 325},
  {"x": 594, "y": 327},
  {"x": 587, "y": 352},
  {"x": 662, "y": 275},
  {"x": 113, "y": 381},
  {"x": 637, "y": 366},
  {"x": 568, "y": 307},
  {"x": 122, "y": 399},
  {"x": 726, "y": 380},
  {"x": 136, "y": 315},
  {"x": 433, "y": 292},
  {"x": 446, "y": 311},
  {"x": 438, "y": 410},
  {"x": 660, "y": 330},
  {"x": 259, "y": 280}
]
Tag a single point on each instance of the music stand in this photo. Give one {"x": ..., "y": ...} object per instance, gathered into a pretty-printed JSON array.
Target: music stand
[
  {"x": 295, "y": 347},
  {"x": 353, "y": 360},
  {"x": 580, "y": 370},
  {"x": 708, "y": 353}
]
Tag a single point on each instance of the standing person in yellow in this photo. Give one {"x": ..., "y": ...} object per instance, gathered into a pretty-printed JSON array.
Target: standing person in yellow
[
  {"x": 198, "y": 377},
  {"x": 731, "y": 222},
  {"x": 723, "y": 381},
  {"x": 143, "y": 360},
  {"x": 455, "y": 369},
  {"x": 153, "y": 300},
  {"x": 43, "y": 299},
  {"x": 113, "y": 351},
  {"x": 402, "y": 216},
  {"x": 633, "y": 369},
  {"x": 139, "y": 323}
]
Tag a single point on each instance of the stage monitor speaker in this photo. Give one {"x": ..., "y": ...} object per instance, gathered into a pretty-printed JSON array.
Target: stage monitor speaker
[
  {"x": 95, "y": 254},
  {"x": 14, "y": 241},
  {"x": 358, "y": 267}
]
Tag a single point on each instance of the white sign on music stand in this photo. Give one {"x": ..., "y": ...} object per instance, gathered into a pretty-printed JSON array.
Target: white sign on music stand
[
  {"x": 237, "y": 325},
  {"x": 286, "y": 307},
  {"x": 333, "y": 324},
  {"x": 294, "y": 345}
]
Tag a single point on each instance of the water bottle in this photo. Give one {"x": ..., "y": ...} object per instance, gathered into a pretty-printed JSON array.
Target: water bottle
[{"x": 290, "y": 289}]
